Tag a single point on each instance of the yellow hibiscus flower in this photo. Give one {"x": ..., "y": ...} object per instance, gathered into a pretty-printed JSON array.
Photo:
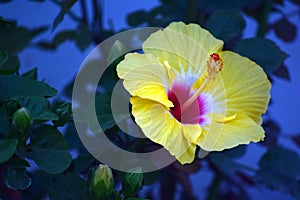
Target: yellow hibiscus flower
[{"x": 186, "y": 92}]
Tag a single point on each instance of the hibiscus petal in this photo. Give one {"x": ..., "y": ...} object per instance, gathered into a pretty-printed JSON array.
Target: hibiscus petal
[
  {"x": 161, "y": 127},
  {"x": 146, "y": 77},
  {"x": 240, "y": 130},
  {"x": 247, "y": 86},
  {"x": 185, "y": 47}
]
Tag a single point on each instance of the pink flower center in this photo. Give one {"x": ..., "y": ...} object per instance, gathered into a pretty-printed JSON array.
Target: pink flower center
[{"x": 194, "y": 114}]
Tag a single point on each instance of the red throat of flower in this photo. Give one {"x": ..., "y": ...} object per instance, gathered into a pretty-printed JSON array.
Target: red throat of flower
[
  {"x": 194, "y": 114},
  {"x": 189, "y": 107}
]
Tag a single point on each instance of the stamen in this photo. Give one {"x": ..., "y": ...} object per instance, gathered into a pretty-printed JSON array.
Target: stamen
[{"x": 214, "y": 66}]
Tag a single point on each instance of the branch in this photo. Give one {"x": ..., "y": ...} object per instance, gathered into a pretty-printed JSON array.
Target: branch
[
  {"x": 83, "y": 12},
  {"x": 264, "y": 17}
]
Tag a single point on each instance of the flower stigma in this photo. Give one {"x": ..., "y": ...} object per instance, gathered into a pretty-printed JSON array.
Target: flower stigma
[{"x": 214, "y": 64}]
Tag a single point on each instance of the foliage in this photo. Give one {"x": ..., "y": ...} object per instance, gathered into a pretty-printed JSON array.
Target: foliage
[{"x": 35, "y": 156}]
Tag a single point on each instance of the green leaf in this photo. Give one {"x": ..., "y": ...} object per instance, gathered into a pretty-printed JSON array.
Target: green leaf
[
  {"x": 67, "y": 187},
  {"x": 31, "y": 74},
  {"x": 296, "y": 139},
  {"x": 151, "y": 177},
  {"x": 3, "y": 57},
  {"x": 137, "y": 18},
  {"x": 48, "y": 137},
  {"x": 52, "y": 161},
  {"x": 132, "y": 182},
  {"x": 83, "y": 38},
  {"x": 17, "y": 179},
  {"x": 236, "y": 152},
  {"x": 226, "y": 24},
  {"x": 225, "y": 160},
  {"x": 282, "y": 72},
  {"x": 11, "y": 85},
  {"x": 116, "y": 195},
  {"x": 11, "y": 65},
  {"x": 223, "y": 163},
  {"x": 82, "y": 162},
  {"x": 14, "y": 39},
  {"x": 18, "y": 163},
  {"x": 263, "y": 51},
  {"x": 39, "y": 108},
  {"x": 64, "y": 112},
  {"x": 5, "y": 1},
  {"x": 103, "y": 111},
  {"x": 279, "y": 169},
  {"x": 65, "y": 7},
  {"x": 162, "y": 15},
  {"x": 296, "y": 2},
  {"x": 36, "y": 31},
  {"x": 37, "y": 189},
  {"x": 296, "y": 190},
  {"x": 64, "y": 36},
  {"x": 7, "y": 149},
  {"x": 49, "y": 149},
  {"x": 253, "y": 5},
  {"x": 4, "y": 119},
  {"x": 221, "y": 4},
  {"x": 168, "y": 187},
  {"x": 4, "y": 23},
  {"x": 272, "y": 131},
  {"x": 59, "y": 38},
  {"x": 72, "y": 137},
  {"x": 285, "y": 30}
]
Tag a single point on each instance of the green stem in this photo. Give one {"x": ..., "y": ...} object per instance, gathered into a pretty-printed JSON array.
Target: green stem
[
  {"x": 83, "y": 12},
  {"x": 97, "y": 15},
  {"x": 70, "y": 13},
  {"x": 214, "y": 187},
  {"x": 264, "y": 17},
  {"x": 247, "y": 168}
]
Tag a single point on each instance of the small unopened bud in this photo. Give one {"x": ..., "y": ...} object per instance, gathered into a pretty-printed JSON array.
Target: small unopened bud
[
  {"x": 21, "y": 120},
  {"x": 102, "y": 182}
]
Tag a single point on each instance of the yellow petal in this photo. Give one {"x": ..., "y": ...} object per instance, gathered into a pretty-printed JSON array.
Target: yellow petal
[
  {"x": 161, "y": 127},
  {"x": 240, "y": 130},
  {"x": 247, "y": 86},
  {"x": 185, "y": 47},
  {"x": 146, "y": 77}
]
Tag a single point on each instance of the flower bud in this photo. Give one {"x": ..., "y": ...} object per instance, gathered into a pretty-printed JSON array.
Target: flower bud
[
  {"x": 21, "y": 120},
  {"x": 102, "y": 182}
]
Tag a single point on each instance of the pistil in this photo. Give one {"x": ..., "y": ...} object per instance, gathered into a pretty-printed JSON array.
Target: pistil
[{"x": 214, "y": 66}]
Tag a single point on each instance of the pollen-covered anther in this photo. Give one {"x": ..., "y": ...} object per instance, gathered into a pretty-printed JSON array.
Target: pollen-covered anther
[{"x": 214, "y": 64}]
